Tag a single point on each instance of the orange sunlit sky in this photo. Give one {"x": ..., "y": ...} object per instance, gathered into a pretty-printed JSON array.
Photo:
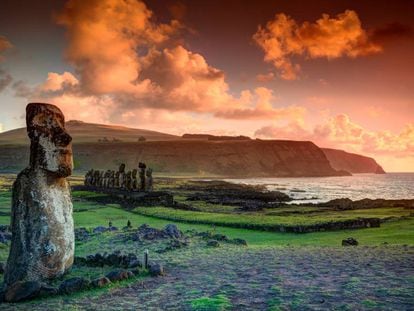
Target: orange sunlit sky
[{"x": 339, "y": 73}]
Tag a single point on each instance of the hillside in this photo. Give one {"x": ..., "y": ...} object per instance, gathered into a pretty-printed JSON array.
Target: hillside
[
  {"x": 83, "y": 132},
  {"x": 105, "y": 147},
  {"x": 351, "y": 162}
]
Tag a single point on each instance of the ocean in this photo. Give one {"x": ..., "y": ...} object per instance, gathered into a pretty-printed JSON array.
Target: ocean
[{"x": 356, "y": 187}]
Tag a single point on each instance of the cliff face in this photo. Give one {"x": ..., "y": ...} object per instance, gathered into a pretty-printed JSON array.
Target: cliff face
[
  {"x": 254, "y": 158},
  {"x": 351, "y": 162}
]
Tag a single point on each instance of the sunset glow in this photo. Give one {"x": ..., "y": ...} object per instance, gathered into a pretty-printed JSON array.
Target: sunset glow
[{"x": 337, "y": 73}]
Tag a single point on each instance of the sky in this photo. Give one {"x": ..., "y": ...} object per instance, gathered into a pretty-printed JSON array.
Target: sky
[{"x": 338, "y": 73}]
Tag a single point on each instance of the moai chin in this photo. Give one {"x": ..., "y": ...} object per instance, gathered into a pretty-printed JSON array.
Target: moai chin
[{"x": 42, "y": 245}]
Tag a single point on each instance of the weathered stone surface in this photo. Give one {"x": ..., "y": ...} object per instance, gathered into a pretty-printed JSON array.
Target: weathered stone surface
[
  {"x": 42, "y": 244},
  {"x": 22, "y": 290},
  {"x": 73, "y": 285},
  {"x": 349, "y": 242},
  {"x": 173, "y": 231},
  {"x": 156, "y": 269},
  {"x": 2, "y": 267},
  {"x": 117, "y": 275},
  {"x": 100, "y": 282}
]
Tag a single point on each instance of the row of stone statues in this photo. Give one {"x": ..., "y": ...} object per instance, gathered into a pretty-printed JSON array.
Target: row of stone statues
[{"x": 121, "y": 179}]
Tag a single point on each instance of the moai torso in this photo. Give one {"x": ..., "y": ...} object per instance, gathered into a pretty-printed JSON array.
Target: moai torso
[
  {"x": 116, "y": 181},
  {"x": 128, "y": 180},
  {"x": 122, "y": 176},
  {"x": 142, "y": 168},
  {"x": 42, "y": 244},
  {"x": 134, "y": 179},
  {"x": 148, "y": 180}
]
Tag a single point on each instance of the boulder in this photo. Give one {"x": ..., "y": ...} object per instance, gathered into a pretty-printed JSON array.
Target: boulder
[
  {"x": 73, "y": 285},
  {"x": 117, "y": 275},
  {"x": 22, "y": 290},
  {"x": 349, "y": 242},
  {"x": 156, "y": 269},
  {"x": 100, "y": 282},
  {"x": 100, "y": 229},
  {"x": 47, "y": 291},
  {"x": 172, "y": 231},
  {"x": 81, "y": 234},
  {"x": 2, "y": 267},
  {"x": 43, "y": 239},
  {"x": 5, "y": 237}
]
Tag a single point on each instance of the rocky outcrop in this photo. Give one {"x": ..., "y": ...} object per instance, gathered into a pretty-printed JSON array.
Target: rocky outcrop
[
  {"x": 351, "y": 162},
  {"x": 42, "y": 245}
]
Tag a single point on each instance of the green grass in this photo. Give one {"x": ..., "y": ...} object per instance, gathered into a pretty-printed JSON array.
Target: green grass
[
  {"x": 214, "y": 303},
  {"x": 267, "y": 222}
]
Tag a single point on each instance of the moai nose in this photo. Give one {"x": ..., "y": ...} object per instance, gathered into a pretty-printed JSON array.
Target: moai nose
[{"x": 64, "y": 139}]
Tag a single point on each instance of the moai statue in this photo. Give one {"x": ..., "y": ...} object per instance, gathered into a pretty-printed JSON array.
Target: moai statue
[
  {"x": 106, "y": 178},
  {"x": 87, "y": 175},
  {"x": 142, "y": 168},
  {"x": 96, "y": 178},
  {"x": 43, "y": 242},
  {"x": 116, "y": 182},
  {"x": 111, "y": 179},
  {"x": 128, "y": 181},
  {"x": 134, "y": 182},
  {"x": 101, "y": 178},
  {"x": 90, "y": 177},
  {"x": 122, "y": 176},
  {"x": 148, "y": 181}
]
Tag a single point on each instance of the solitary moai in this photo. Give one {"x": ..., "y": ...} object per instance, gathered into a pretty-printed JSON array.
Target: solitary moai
[
  {"x": 142, "y": 168},
  {"x": 148, "y": 181},
  {"x": 42, "y": 245}
]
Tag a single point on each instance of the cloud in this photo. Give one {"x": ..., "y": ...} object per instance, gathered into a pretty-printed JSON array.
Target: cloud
[
  {"x": 4, "y": 45},
  {"x": 340, "y": 132},
  {"x": 125, "y": 62},
  {"x": 265, "y": 77},
  {"x": 392, "y": 31},
  {"x": 5, "y": 79},
  {"x": 340, "y": 36}
]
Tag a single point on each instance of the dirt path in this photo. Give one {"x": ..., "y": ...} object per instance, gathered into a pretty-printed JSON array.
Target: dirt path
[{"x": 359, "y": 278}]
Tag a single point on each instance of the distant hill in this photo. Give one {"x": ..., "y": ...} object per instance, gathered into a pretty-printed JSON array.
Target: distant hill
[
  {"x": 105, "y": 147},
  {"x": 83, "y": 132},
  {"x": 351, "y": 162}
]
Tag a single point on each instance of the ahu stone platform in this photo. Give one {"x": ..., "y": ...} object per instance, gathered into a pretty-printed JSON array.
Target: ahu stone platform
[{"x": 130, "y": 199}]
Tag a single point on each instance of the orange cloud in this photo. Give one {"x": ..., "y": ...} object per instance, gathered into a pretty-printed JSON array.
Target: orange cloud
[
  {"x": 4, "y": 45},
  {"x": 329, "y": 38},
  {"x": 266, "y": 77},
  {"x": 341, "y": 132},
  {"x": 122, "y": 56}
]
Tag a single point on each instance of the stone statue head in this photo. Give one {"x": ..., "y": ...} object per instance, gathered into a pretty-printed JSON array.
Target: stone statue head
[
  {"x": 149, "y": 172},
  {"x": 122, "y": 168},
  {"x": 134, "y": 173},
  {"x": 51, "y": 147}
]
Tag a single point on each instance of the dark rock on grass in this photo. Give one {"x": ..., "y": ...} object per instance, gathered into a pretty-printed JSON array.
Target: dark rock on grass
[
  {"x": 156, "y": 269},
  {"x": 349, "y": 242},
  {"x": 73, "y": 285},
  {"x": 219, "y": 237},
  {"x": 134, "y": 264},
  {"x": 239, "y": 242},
  {"x": 100, "y": 282},
  {"x": 81, "y": 234},
  {"x": 22, "y": 290},
  {"x": 117, "y": 275},
  {"x": 112, "y": 228},
  {"x": 2, "y": 267},
  {"x": 4, "y": 228},
  {"x": 5, "y": 237},
  {"x": 213, "y": 243},
  {"x": 47, "y": 291},
  {"x": 172, "y": 231},
  {"x": 100, "y": 229}
]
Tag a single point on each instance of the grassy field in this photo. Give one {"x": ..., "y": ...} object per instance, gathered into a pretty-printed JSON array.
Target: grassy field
[{"x": 276, "y": 271}]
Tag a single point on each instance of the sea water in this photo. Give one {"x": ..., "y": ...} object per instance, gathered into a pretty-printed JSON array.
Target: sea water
[{"x": 356, "y": 187}]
